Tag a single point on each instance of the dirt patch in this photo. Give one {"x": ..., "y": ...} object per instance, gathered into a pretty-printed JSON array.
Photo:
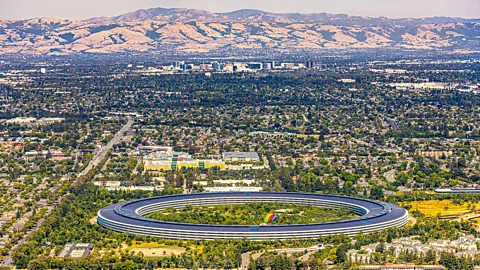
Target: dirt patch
[
  {"x": 93, "y": 220},
  {"x": 158, "y": 252}
]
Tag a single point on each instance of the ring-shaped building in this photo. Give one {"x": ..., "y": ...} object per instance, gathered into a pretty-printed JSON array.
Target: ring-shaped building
[{"x": 129, "y": 216}]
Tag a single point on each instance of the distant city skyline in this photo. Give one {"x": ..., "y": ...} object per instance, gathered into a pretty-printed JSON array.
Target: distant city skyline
[{"x": 74, "y": 9}]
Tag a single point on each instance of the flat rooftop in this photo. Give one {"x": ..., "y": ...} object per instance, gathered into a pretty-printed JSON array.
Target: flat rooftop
[{"x": 250, "y": 155}]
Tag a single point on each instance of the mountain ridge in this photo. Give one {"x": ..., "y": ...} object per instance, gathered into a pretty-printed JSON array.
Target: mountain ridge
[
  {"x": 194, "y": 30},
  {"x": 182, "y": 13}
]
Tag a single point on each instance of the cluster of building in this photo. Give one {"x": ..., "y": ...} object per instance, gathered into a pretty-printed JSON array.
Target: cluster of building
[
  {"x": 389, "y": 71},
  {"x": 4, "y": 240},
  {"x": 163, "y": 158},
  {"x": 272, "y": 134},
  {"x": 232, "y": 189},
  {"x": 19, "y": 142},
  {"x": 33, "y": 121},
  {"x": 422, "y": 86},
  {"x": 172, "y": 161},
  {"x": 239, "y": 67},
  {"x": 469, "y": 88},
  {"x": 52, "y": 153},
  {"x": 117, "y": 185},
  {"x": 19, "y": 224},
  {"x": 240, "y": 157},
  {"x": 465, "y": 246},
  {"x": 182, "y": 66},
  {"x": 244, "y": 182}
]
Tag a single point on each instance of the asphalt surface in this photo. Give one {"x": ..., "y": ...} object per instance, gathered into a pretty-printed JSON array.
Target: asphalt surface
[
  {"x": 103, "y": 152},
  {"x": 390, "y": 175}
]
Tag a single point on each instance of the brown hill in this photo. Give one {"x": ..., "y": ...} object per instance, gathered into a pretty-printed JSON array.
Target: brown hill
[{"x": 201, "y": 31}]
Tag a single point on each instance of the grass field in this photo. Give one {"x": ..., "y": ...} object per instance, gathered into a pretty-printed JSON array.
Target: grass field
[
  {"x": 302, "y": 136},
  {"x": 155, "y": 250},
  {"x": 444, "y": 207},
  {"x": 253, "y": 214}
]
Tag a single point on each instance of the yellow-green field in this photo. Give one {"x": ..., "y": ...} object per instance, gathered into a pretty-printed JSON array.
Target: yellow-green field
[
  {"x": 302, "y": 136},
  {"x": 155, "y": 250},
  {"x": 443, "y": 207}
]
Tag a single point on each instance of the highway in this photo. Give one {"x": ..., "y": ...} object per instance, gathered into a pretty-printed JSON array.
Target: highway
[
  {"x": 103, "y": 152},
  {"x": 7, "y": 260}
]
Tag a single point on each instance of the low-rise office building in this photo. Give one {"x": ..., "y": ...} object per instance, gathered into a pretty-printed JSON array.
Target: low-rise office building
[
  {"x": 240, "y": 156},
  {"x": 172, "y": 161},
  {"x": 232, "y": 189}
]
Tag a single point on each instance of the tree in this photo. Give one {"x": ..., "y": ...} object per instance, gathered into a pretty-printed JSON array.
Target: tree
[
  {"x": 180, "y": 179},
  {"x": 380, "y": 248},
  {"x": 190, "y": 178},
  {"x": 377, "y": 193},
  {"x": 277, "y": 187},
  {"x": 341, "y": 253}
]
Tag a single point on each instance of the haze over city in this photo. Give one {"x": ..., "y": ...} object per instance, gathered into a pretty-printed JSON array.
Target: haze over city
[{"x": 76, "y": 9}]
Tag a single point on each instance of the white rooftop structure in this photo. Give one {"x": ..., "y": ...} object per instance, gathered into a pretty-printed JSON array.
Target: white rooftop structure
[
  {"x": 232, "y": 189},
  {"x": 240, "y": 156}
]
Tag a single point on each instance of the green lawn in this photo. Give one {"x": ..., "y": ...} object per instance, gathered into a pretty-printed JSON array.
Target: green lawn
[{"x": 253, "y": 214}]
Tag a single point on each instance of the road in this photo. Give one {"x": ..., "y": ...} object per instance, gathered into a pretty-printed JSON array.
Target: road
[
  {"x": 390, "y": 175},
  {"x": 103, "y": 152},
  {"x": 139, "y": 161},
  {"x": 7, "y": 260},
  {"x": 246, "y": 256},
  {"x": 304, "y": 118},
  {"x": 305, "y": 257},
  {"x": 266, "y": 164},
  {"x": 393, "y": 124},
  {"x": 413, "y": 220}
]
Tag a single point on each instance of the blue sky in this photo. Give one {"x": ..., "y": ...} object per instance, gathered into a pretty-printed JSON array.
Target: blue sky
[{"x": 81, "y": 9}]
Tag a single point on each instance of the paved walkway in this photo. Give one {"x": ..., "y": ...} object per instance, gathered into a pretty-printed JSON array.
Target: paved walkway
[{"x": 414, "y": 220}]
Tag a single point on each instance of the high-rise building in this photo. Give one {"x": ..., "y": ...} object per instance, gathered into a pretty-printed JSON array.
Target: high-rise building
[
  {"x": 267, "y": 66},
  {"x": 178, "y": 64},
  {"x": 256, "y": 66},
  {"x": 189, "y": 67},
  {"x": 216, "y": 66},
  {"x": 309, "y": 64}
]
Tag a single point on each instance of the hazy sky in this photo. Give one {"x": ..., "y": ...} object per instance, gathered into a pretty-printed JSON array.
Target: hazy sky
[{"x": 81, "y": 9}]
